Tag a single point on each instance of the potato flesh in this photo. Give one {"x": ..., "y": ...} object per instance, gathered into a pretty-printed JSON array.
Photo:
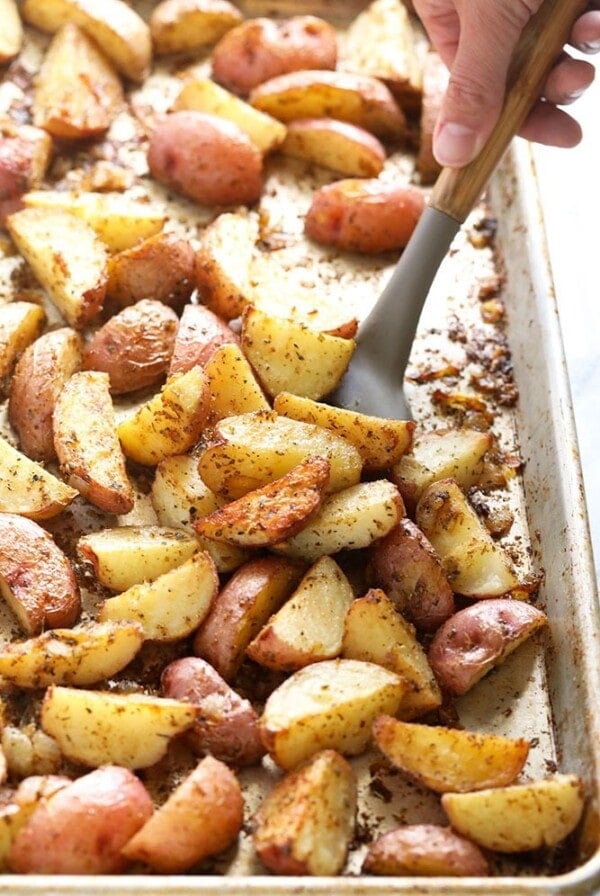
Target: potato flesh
[
  {"x": 11, "y": 37},
  {"x": 27, "y": 488}
]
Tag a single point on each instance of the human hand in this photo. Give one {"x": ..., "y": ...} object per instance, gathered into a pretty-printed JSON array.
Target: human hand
[{"x": 476, "y": 40}]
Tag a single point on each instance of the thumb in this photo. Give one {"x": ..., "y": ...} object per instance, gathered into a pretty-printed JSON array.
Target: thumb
[{"x": 488, "y": 36}]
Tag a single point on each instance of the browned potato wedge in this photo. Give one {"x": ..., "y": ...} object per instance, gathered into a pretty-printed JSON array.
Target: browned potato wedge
[
  {"x": 262, "y": 48},
  {"x": 350, "y": 519},
  {"x": 329, "y": 704},
  {"x": 404, "y": 564},
  {"x": 39, "y": 375},
  {"x": 134, "y": 347},
  {"x": 86, "y": 443},
  {"x": 120, "y": 32},
  {"x": 232, "y": 384},
  {"x": 475, "y": 564},
  {"x": 200, "y": 818},
  {"x": 269, "y": 514},
  {"x": 74, "y": 656},
  {"x": 253, "y": 593},
  {"x": 424, "y": 850},
  {"x": 182, "y": 26},
  {"x": 374, "y": 631},
  {"x": 171, "y": 606},
  {"x": 478, "y": 638},
  {"x": 360, "y": 215},
  {"x": 92, "y": 818},
  {"x": 20, "y": 324},
  {"x": 11, "y": 36},
  {"x": 306, "y": 823},
  {"x": 160, "y": 267},
  {"x": 205, "y": 95},
  {"x": 435, "y": 82},
  {"x": 339, "y": 145},
  {"x": 450, "y": 759},
  {"x": 67, "y": 258},
  {"x": 310, "y": 624},
  {"x": 227, "y": 726},
  {"x": 521, "y": 817},
  {"x": 96, "y": 728},
  {"x": 358, "y": 99},
  {"x": 36, "y": 578},
  {"x": 200, "y": 333},
  {"x": 25, "y": 154},
  {"x": 278, "y": 348},
  {"x": 207, "y": 158},
  {"x": 251, "y": 450},
  {"x": 222, "y": 285},
  {"x": 28, "y": 489},
  {"x": 171, "y": 422},
  {"x": 78, "y": 92}
]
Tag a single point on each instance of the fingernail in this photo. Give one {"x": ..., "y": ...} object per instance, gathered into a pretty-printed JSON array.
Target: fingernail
[
  {"x": 455, "y": 144},
  {"x": 590, "y": 47}
]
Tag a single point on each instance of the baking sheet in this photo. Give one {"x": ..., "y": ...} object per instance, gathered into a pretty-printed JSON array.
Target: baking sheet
[{"x": 549, "y": 690}]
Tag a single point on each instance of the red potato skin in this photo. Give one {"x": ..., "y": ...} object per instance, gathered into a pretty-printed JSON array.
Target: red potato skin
[
  {"x": 262, "y": 48},
  {"x": 161, "y": 268},
  {"x": 201, "y": 332},
  {"x": 425, "y": 849},
  {"x": 25, "y": 153},
  {"x": 368, "y": 216},
  {"x": 82, "y": 828},
  {"x": 476, "y": 639},
  {"x": 227, "y": 725},
  {"x": 206, "y": 158}
]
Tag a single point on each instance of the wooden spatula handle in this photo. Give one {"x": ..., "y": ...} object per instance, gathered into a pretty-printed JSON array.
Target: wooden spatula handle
[{"x": 458, "y": 189}]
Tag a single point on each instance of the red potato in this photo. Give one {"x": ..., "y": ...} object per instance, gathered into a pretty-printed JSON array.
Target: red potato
[
  {"x": 25, "y": 153},
  {"x": 227, "y": 724},
  {"x": 262, "y": 48},
  {"x": 202, "y": 817},
  {"x": 206, "y": 158},
  {"x": 134, "y": 347},
  {"x": 367, "y": 216},
  {"x": 334, "y": 144},
  {"x": 82, "y": 827},
  {"x": 160, "y": 268},
  {"x": 425, "y": 850},
  {"x": 201, "y": 332},
  {"x": 478, "y": 638}
]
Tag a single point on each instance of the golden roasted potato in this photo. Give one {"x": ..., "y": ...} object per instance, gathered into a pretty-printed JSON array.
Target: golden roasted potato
[
  {"x": 200, "y": 333},
  {"x": 20, "y": 324},
  {"x": 78, "y": 93},
  {"x": 206, "y": 158},
  {"x": 11, "y": 36},
  {"x": 339, "y": 145},
  {"x": 205, "y": 95},
  {"x": 380, "y": 442},
  {"x": 309, "y": 626},
  {"x": 67, "y": 258},
  {"x": 435, "y": 82},
  {"x": 251, "y": 450},
  {"x": 305, "y": 824},
  {"x": 519, "y": 818},
  {"x": 329, "y": 704},
  {"x": 120, "y": 32},
  {"x": 358, "y": 99},
  {"x": 253, "y": 593},
  {"x": 262, "y": 48},
  {"x": 127, "y": 555},
  {"x": 223, "y": 284},
  {"x": 171, "y": 606},
  {"x": 278, "y": 349},
  {"x": 96, "y": 728},
  {"x": 39, "y": 375},
  {"x": 232, "y": 384},
  {"x": 364, "y": 215},
  {"x": 134, "y": 347},
  {"x": 37, "y": 580},
  {"x": 28, "y": 489},
  {"x": 374, "y": 631},
  {"x": 200, "y": 818},
  {"x": 92, "y": 818},
  {"x": 25, "y": 154},
  {"x": 450, "y": 759},
  {"x": 267, "y": 515},
  {"x": 424, "y": 850},
  {"x": 183, "y": 26},
  {"x": 160, "y": 267},
  {"x": 227, "y": 726},
  {"x": 478, "y": 638},
  {"x": 86, "y": 443},
  {"x": 79, "y": 656}
]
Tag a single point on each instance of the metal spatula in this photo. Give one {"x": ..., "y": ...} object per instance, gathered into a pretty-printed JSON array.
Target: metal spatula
[{"x": 373, "y": 383}]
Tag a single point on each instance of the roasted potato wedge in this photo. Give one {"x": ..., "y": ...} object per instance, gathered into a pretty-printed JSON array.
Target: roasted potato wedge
[
  {"x": 223, "y": 286},
  {"x": 200, "y": 333},
  {"x": 159, "y": 268},
  {"x": 338, "y": 145},
  {"x": 20, "y": 324},
  {"x": 28, "y": 488},
  {"x": 11, "y": 37},
  {"x": 183, "y": 26},
  {"x": 232, "y": 384},
  {"x": 25, "y": 155},
  {"x": 424, "y": 850}
]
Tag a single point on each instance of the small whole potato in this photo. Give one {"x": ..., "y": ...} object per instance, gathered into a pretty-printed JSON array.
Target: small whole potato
[
  {"x": 263, "y": 48},
  {"x": 206, "y": 158},
  {"x": 364, "y": 215},
  {"x": 134, "y": 347}
]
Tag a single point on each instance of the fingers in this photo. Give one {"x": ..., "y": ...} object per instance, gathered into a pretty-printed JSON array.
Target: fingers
[
  {"x": 551, "y": 126},
  {"x": 586, "y": 32},
  {"x": 568, "y": 80}
]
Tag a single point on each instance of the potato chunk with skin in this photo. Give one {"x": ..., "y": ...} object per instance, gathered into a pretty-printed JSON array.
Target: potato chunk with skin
[
  {"x": 305, "y": 824},
  {"x": 450, "y": 759},
  {"x": 182, "y": 26},
  {"x": 160, "y": 267},
  {"x": 339, "y": 145},
  {"x": 201, "y": 817},
  {"x": 11, "y": 38},
  {"x": 223, "y": 262},
  {"x": 424, "y": 850},
  {"x": 199, "y": 335},
  {"x": 20, "y": 324},
  {"x": 233, "y": 386},
  {"x": 25, "y": 154},
  {"x": 28, "y": 488}
]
